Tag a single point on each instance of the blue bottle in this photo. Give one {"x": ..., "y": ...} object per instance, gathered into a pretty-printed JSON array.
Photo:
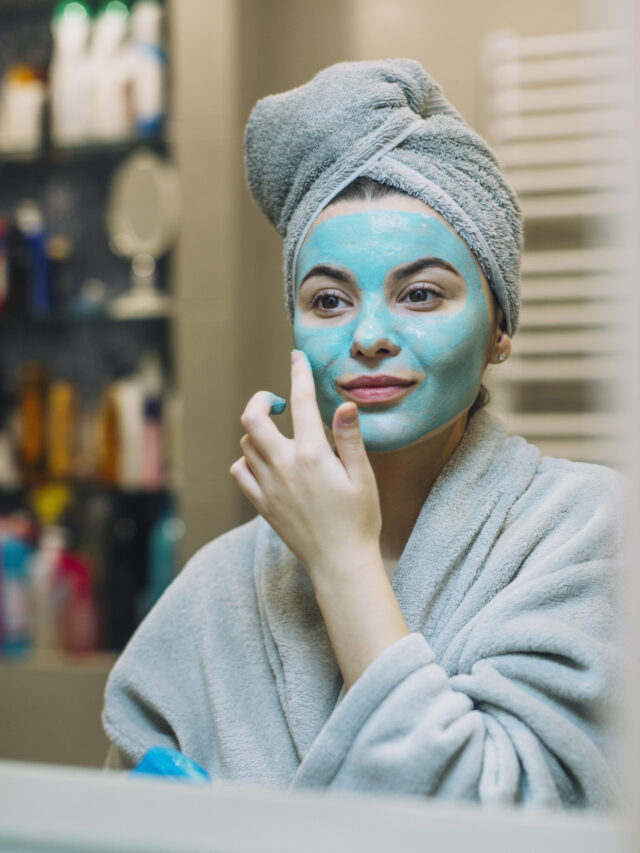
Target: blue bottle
[
  {"x": 30, "y": 222},
  {"x": 16, "y": 631},
  {"x": 164, "y": 559}
]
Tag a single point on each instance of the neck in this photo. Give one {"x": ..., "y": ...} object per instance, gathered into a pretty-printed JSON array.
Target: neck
[{"x": 405, "y": 478}]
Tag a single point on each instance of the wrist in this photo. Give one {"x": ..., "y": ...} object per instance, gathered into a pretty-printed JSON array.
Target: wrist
[
  {"x": 360, "y": 611},
  {"x": 346, "y": 567}
]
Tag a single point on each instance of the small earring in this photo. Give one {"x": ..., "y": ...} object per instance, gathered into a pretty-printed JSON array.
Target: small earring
[{"x": 502, "y": 356}]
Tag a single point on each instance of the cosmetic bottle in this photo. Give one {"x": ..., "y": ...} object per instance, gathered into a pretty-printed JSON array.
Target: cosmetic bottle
[
  {"x": 69, "y": 73},
  {"x": 110, "y": 112},
  {"x": 44, "y": 571},
  {"x": 17, "y": 626},
  {"x": 128, "y": 398},
  {"x": 78, "y": 623},
  {"x": 32, "y": 422},
  {"x": 21, "y": 106},
  {"x": 59, "y": 253},
  {"x": 31, "y": 224},
  {"x": 165, "y": 541},
  {"x": 9, "y": 474},
  {"x": 148, "y": 67},
  {"x": 94, "y": 522},
  {"x": 108, "y": 439},
  {"x": 62, "y": 426}
]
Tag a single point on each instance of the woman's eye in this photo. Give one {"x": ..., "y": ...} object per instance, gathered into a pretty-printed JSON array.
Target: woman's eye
[
  {"x": 422, "y": 295},
  {"x": 327, "y": 301}
]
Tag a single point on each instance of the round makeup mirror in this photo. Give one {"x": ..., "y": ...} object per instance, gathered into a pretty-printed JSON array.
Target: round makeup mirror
[{"x": 142, "y": 221}]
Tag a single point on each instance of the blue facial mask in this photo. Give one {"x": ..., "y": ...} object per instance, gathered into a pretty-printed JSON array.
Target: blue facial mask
[{"x": 445, "y": 346}]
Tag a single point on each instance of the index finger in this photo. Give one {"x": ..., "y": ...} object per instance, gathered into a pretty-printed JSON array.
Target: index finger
[
  {"x": 259, "y": 426},
  {"x": 308, "y": 430}
]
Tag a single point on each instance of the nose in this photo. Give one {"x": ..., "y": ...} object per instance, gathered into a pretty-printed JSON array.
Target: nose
[{"x": 374, "y": 336}]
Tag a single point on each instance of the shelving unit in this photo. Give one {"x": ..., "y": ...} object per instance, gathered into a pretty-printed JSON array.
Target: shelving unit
[{"x": 50, "y": 710}]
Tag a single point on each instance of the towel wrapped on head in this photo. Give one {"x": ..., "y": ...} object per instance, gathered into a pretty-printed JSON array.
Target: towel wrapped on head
[{"x": 386, "y": 120}]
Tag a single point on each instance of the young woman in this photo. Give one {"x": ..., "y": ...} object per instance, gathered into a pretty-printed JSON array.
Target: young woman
[{"x": 422, "y": 605}]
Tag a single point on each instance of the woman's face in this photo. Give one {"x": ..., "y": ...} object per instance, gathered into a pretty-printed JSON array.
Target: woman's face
[{"x": 392, "y": 312}]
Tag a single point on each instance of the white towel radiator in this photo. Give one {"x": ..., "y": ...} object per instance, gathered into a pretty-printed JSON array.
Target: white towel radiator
[{"x": 557, "y": 114}]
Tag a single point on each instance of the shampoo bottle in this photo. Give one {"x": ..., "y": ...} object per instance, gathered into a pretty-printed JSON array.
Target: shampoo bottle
[
  {"x": 109, "y": 72},
  {"x": 165, "y": 541},
  {"x": 44, "y": 572},
  {"x": 32, "y": 421},
  {"x": 69, "y": 73},
  {"x": 148, "y": 63},
  {"x": 62, "y": 428},
  {"x": 79, "y": 630},
  {"x": 31, "y": 224},
  {"x": 17, "y": 630}
]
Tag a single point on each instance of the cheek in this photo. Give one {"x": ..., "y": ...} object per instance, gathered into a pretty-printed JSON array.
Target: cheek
[
  {"x": 451, "y": 342},
  {"x": 324, "y": 348}
]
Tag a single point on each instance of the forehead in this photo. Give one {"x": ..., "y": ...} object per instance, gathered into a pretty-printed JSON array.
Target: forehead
[
  {"x": 382, "y": 240},
  {"x": 402, "y": 231},
  {"x": 392, "y": 201},
  {"x": 386, "y": 232},
  {"x": 395, "y": 202}
]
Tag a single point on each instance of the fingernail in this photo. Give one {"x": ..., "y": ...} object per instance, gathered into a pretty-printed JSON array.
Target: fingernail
[
  {"x": 349, "y": 417},
  {"x": 295, "y": 355},
  {"x": 278, "y": 405}
]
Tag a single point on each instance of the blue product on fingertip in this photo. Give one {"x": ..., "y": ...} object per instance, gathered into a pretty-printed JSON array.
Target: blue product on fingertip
[{"x": 162, "y": 761}]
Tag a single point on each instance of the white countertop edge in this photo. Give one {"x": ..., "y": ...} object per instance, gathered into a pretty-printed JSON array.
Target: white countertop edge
[{"x": 45, "y": 808}]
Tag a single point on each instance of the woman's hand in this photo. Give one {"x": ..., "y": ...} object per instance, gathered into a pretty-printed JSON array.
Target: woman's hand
[{"x": 325, "y": 508}]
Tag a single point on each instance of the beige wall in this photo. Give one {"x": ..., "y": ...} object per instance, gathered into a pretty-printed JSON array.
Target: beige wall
[
  {"x": 447, "y": 37},
  {"x": 234, "y": 335},
  {"x": 205, "y": 131}
]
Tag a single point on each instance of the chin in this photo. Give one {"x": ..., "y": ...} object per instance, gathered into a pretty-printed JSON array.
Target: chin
[{"x": 388, "y": 441}]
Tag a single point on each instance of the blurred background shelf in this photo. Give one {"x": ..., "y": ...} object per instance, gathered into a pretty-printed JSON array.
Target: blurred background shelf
[{"x": 85, "y": 151}]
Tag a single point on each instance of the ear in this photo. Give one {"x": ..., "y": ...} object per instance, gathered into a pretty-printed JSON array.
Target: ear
[{"x": 500, "y": 346}]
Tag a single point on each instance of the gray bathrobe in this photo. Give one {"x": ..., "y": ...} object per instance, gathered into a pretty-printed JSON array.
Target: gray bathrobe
[{"x": 504, "y": 690}]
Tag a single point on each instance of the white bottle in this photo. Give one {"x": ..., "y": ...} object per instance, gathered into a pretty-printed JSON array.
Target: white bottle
[
  {"x": 129, "y": 401},
  {"x": 148, "y": 67},
  {"x": 110, "y": 117},
  {"x": 43, "y": 569},
  {"x": 69, "y": 74},
  {"x": 22, "y": 97}
]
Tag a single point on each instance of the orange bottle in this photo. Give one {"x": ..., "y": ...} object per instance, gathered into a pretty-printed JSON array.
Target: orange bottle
[
  {"x": 108, "y": 439},
  {"x": 32, "y": 448},
  {"x": 62, "y": 428}
]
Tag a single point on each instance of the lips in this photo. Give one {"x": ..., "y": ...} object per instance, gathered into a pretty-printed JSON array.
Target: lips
[
  {"x": 380, "y": 381},
  {"x": 377, "y": 389}
]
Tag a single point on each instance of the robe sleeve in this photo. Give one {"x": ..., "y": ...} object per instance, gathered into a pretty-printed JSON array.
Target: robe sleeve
[{"x": 524, "y": 719}]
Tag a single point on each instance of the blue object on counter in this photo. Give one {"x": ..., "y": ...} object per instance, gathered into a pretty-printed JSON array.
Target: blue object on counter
[{"x": 162, "y": 761}]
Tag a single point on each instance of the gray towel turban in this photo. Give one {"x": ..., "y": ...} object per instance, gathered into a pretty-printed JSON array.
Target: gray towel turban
[{"x": 386, "y": 120}]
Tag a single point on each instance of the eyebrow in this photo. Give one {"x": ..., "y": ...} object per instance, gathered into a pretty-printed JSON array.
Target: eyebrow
[
  {"x": 421, "y": 264},
  {"x": 328, "y": 270},
  {"x": 397, "y": 274}
]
